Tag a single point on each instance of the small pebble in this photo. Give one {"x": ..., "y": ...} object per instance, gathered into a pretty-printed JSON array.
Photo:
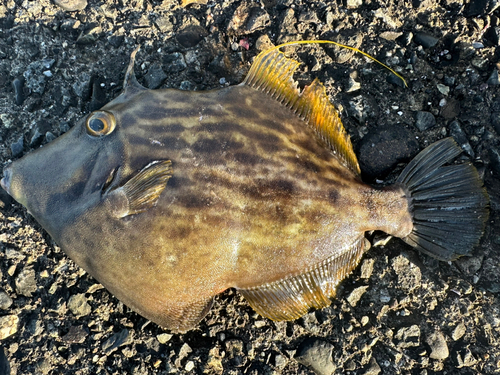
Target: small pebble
[
  {"x": 78, "y": 305},
  {"x": 373, "y": 368},
  {"x": 390, "y": 35},
  {"x": 425, "y": 40},
  {"x": 367, "y": 268},
  {"x": 155, "y": 76},
  {"x": 439, "y": 348},
  {"x": 356, "y": 295},
  {"x": 458, "y": 134},
  {"x": 458, "y": 332},
  {"x": 75, "y": 335},
  {"x": 17, "y": 147},
  {"x": 408, "y": 336},
  {"x": 8, "y": 326},
  {"x": 174, "y": 62},
  {"x": 316, "y": 354},
  {"x": 384, "y": 298},
  {"x": 18, "y": 85},
  {"x": 115, "y": 341},
  {"x": 395, "y": 80},
  {"x": 409, "y": 275},
  {"x": 5, "y": 300},
  {"x": 190, "y": 36},
  {"x": 90, "y": 35},
  {"x": 354, "y": 3},
  {"x": 353, "y": 85},
  {"x": 71, "y": 5},
  {"x": 494, "y": 79},
  {"x": 443, "y": 89},
  {"x": 164, "y": 337},
  {"x": 26, "y": 282},
  {"x": 424, "y": 120}
]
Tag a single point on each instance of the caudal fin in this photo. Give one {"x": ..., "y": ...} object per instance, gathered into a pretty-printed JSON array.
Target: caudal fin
[{"x": 449, "y": 203}]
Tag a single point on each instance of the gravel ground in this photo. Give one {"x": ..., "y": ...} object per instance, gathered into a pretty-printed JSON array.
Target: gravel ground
[{"x": 400, "y": 312}]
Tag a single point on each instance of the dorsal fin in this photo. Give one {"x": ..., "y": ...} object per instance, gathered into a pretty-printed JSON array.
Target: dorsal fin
[
  {"x": 130, "y": 83},
  {"x": 272, "y": 73}
]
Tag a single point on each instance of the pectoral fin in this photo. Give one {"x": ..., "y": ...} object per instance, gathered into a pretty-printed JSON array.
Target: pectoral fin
[
  {"x": 290, "y": 298},
  {"x": 142, "y": 191}
]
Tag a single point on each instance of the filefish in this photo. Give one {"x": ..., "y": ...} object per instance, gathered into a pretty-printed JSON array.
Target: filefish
[{"x": 170, "y": 197}]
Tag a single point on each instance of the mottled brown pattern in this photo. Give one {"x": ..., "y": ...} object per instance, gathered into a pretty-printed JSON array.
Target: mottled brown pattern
[{"x": 255, "y": 198}]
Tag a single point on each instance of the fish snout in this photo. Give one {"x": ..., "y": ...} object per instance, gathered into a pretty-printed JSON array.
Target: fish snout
[{"x": 5, "y": 182}]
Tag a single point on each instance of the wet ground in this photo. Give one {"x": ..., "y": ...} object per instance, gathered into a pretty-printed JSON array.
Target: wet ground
[{"x": 400, "y": 312}]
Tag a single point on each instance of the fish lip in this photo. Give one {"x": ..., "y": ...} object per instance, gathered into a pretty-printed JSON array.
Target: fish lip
[{"x": 5, "y": 182}]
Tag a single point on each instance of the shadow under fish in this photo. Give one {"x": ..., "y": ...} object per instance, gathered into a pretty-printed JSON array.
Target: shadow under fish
[{"x": 170, "y": 197}]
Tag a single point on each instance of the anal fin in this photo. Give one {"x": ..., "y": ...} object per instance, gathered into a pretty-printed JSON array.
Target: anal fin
[{"x": 291, "y": 298}]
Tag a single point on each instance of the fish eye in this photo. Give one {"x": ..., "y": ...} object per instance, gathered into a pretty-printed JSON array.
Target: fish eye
[{"x": 100, "y": 123}]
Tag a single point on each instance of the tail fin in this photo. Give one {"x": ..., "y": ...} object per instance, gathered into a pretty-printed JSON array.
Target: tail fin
[{"x": 449, "y": 203}]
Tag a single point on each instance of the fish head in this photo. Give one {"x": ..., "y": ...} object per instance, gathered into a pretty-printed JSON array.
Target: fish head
[
  {"x": 63, "y": 179},
  {"x": 80, "y": 170}
]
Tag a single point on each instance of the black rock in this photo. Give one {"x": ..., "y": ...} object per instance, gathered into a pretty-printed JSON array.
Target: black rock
[
  {"x": 38, "y": 133},
  {"x": 458, "y": 134},
  {"x": 17, "y": 147},
  {"x": 115, "y": 341},
  {"x": 174, "y": 62},
  {"x": 257, "y": 20},
  {"x": 155, "y": 76},
  {"x": 383, "y": 148},
  {"x": 425, "y": 40},
  {"x": 495, "y": 161},
  {"x": 494, "y": 78},
  {"x": 81, "y": 87},
  {"x": 68, "y": 25},
  {"x": 4, "y": 363},
  {"x": 75, "y": 335},
  {"x": 395, "y": 80},
  {"x": 424, "y": 120},
  {"x": 191, "y": 36},
  {"x": 476, "y": 8},
  {"x": 18, "y": 85},
  {"x": 116, "y": 40},
  {"x": 90, "y": 34},
  {"x": 495, "y": 121},
  {"x": 492, "y": 35}
]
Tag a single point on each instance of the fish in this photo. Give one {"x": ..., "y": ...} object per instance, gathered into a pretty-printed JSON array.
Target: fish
[{"x": 170, "y": 197}]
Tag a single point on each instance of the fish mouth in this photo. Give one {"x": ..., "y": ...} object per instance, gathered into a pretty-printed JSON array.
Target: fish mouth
[{"x": 5, "y": 182}]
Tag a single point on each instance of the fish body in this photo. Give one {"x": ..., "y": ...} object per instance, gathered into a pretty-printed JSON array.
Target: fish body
[{"x": 170, "y": 197}]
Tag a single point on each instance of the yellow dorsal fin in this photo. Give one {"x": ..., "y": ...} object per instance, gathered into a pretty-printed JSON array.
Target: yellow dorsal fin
[{"x": 272, "y": 72}]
